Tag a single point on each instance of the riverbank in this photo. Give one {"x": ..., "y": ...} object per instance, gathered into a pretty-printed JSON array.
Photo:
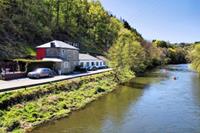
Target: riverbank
[
  {"x": 23, "y": 110},
  {"x": 152, "y": 103}
]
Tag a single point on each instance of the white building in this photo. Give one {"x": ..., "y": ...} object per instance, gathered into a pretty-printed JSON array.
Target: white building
[
  {"x": 64, "y": 56},
  {"x": 87, "y": 60},
  {"x": 102, "y": 58}
]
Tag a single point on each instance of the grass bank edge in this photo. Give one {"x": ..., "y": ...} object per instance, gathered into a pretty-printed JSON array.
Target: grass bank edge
[{"x": 58, "y": 104}]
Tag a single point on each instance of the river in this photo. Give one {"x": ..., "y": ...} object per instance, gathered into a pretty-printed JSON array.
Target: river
[{"x": 153, "y": 103}]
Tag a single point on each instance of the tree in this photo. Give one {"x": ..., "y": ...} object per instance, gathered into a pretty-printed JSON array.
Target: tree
[
  {"x": 159, "y": 43},
  {"x": 195, "y": 58},
  {"x": 133, "y": 30},
  {"x": 27, "y": 23},
  {"x": 154, "y": 55},
  {"x": 177, "y": 55},
  {"x": 125, "y": 56}
]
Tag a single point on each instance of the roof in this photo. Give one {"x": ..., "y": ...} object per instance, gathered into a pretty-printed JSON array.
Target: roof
[
  {"x": 102, "y": 58},
  {"x": 86, "y": 57},
  {"x": 57, "y": 44},
  {"x": 52, "y": 59}
]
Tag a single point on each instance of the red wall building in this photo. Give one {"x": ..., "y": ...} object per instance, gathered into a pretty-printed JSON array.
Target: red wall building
[{"x": 41, "y": 53}]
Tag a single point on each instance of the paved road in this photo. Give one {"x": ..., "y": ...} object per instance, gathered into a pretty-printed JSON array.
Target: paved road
[{"x": 26, "y": 82}]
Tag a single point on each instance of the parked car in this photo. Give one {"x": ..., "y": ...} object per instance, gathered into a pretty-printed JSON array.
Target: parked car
[
  {"x": 91, "y": 68},
  {"x": 80, "y": 69},
  {"x": 102, "y": 67},
  {"x": 41, "y": 72}
]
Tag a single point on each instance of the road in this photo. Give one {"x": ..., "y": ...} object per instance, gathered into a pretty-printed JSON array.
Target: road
[{"x": 26, "y": 82}]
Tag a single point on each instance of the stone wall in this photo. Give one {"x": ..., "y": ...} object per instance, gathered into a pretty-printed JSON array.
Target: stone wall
[
  {"x": 70, "y": 59},
  {"x": 69, "y": 54},
  {"x": 53, "y": 52},
  {"x": 65, "y": 54}
]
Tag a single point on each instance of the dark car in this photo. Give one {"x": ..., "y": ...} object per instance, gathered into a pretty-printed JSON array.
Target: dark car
[
  {"x": 80, "y": 69},
  {"x": 102, "y": 67},
  {"x": 40, "y": 73},
  {"x": 91, "y": 68}
]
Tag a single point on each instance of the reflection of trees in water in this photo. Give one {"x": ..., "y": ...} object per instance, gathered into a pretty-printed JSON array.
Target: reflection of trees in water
[
  {"x": 196, "y": 88},
  {"x": 107, "y": 112},
  {"x": 145, "y": 81},
  {"x": 179, "y": 68}
]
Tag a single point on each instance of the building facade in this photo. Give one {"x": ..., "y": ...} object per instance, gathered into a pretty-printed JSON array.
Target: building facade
[
  {"x": 86, "y": 60},
  {"x": 65, "y": 56}
]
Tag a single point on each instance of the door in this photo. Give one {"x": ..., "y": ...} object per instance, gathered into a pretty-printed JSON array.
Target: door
[{"x": 45, "y": 73}]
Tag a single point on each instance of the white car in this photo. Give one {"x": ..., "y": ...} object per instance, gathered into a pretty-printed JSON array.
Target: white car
[{"x": 40, "y": 73}]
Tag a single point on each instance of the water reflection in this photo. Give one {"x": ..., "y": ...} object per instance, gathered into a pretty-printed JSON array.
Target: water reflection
[
  {"x": 103, "y": 114},
  {"x": 152, "y": 104},
  {"x": 196, "y": 88}
]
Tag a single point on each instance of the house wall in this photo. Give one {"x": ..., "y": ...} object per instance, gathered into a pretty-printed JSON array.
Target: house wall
[
  {"x": 68, "y": 66},
  {"x": 41, "y": 53},
  {"x": 69, "y": 54},
  {"x": 70, "y": 59},
  {"x": 65, "y": 67},
  {"x": 86, "y": 63},
  {"x": 53, "y": 52},
  {"x": 65, "y": 54}
]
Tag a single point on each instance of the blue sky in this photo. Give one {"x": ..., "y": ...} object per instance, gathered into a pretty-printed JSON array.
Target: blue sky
[{"x": 170, "y": 20}]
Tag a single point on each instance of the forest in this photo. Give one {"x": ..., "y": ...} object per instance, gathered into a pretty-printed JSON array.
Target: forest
[
  {"x": 194, "y": 56},
  {"x": 26, "y": 24}
]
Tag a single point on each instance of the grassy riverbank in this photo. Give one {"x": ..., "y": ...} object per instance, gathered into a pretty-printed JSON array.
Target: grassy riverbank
[{"x": 23, "y": 110}]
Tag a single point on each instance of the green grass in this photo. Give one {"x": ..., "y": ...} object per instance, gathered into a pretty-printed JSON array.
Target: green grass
[{"x": 27, "y": 114}]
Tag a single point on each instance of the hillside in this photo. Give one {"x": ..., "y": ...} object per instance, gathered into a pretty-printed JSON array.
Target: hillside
[{"x": 26, "y": 24}]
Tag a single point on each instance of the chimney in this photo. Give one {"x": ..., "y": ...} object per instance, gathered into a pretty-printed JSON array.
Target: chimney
[{"x": 53, "y": 45}]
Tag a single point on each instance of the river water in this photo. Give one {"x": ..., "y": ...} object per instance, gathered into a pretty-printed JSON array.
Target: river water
[{"x": 153, "y": 103}]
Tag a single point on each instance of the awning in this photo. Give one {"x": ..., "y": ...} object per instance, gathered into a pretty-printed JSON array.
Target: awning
[{"x": 52, "y": 59}]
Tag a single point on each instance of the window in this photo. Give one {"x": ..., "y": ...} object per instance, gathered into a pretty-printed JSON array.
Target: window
[
  {"x": 97, "y": 63},
  {"x": 88, "y": 63},
  {"x": 82, "y": 64},
  {"x": 66, "y": 65},
  {"x": 63, "y": 52},
  {"x": 100, "y": 63},
  {"x": 92, "y": 63}
]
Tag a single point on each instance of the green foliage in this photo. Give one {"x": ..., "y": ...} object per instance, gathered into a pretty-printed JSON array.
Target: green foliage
[
  {"x": 128, "y": 56},
  {"x": 123, "y": 54},
  {"x": 195, "y": 58},
  {"x": 159, "y": 43},
  {"x": 177, "y": 55},
  {"x": 154, "y": 56},
  {"x": 134, "y": 31},
  {"x": 25, "y": 114},
  {"x": 27, "y": 23}
]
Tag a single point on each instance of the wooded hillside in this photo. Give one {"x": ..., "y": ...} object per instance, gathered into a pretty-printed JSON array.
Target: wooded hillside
[{"x": 25, "y": 24}]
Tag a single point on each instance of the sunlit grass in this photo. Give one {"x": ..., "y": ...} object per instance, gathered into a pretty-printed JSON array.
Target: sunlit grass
[{"x": 26, "y": 114}]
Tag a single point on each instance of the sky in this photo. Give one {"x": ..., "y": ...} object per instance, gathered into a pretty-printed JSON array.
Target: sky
[{"x": 169, "y": 20}]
